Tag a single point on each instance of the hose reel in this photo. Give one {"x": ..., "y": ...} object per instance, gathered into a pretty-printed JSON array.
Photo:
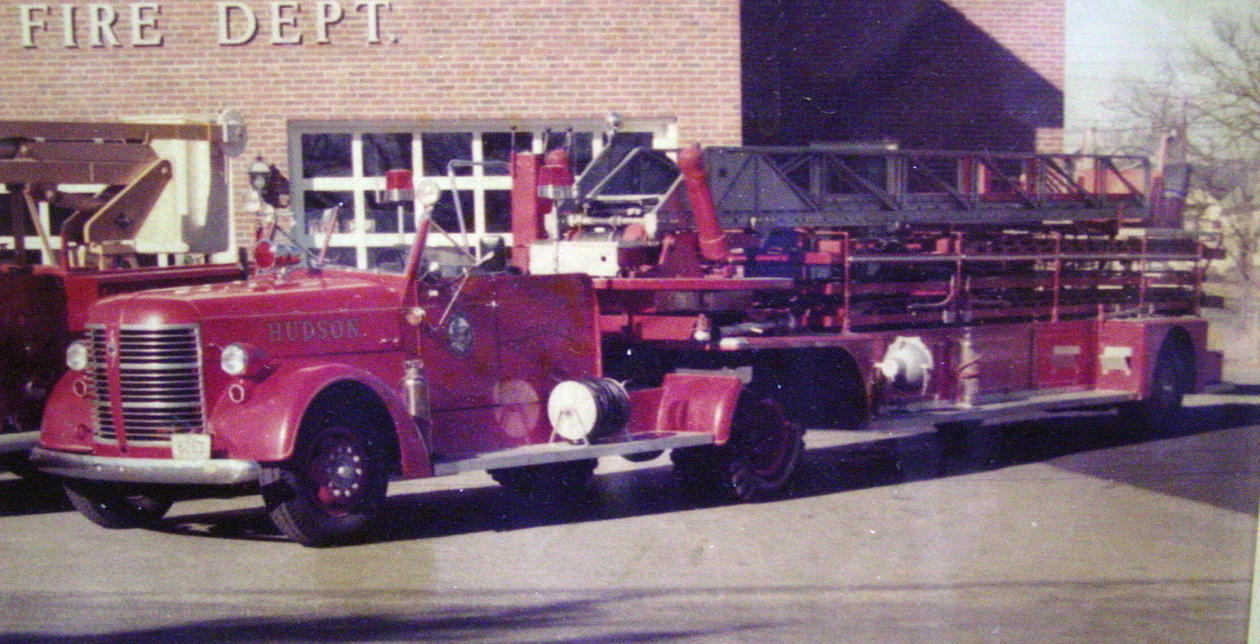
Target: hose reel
[{"x": 584, "y": 409}]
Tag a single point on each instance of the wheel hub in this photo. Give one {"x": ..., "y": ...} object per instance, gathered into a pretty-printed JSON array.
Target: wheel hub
[{"x": 338, "y": 473}]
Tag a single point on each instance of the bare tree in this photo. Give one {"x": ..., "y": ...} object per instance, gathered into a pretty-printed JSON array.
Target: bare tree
[{"x": 1211, "y": 97}]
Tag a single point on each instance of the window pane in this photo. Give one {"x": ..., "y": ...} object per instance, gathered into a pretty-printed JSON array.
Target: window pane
[
  {"x": 11, "y": 207},
  {"x": 442, "y": 147},
  {"x": 317, "y": 204},
  {"x": 390, "y": 259},
  {"x": 58, "y": 216},
  {"x": 326, "y": 155},
  {"x": 340, "y": 256},
  {"x": 383, "y": 152},
  {"x": 498, "y": 211},
  {"x": 579, "y": 152},
  {"x": 7, "y": 207},
  {"x": 444, "y": 211},
  {"x": 384, "y": 218},
  {"x": 498, "y": 146}
]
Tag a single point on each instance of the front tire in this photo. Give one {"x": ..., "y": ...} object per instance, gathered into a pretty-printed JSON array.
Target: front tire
[
  {"x": 116, "y": 507},
  {"x": 332, "y": 489}
]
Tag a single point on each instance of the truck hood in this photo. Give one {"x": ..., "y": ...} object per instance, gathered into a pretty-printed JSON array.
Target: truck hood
[{"x": 302, "y": 314}]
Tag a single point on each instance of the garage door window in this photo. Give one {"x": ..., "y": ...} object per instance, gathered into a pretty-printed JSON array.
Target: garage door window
[{"x": 340, "y": 167}]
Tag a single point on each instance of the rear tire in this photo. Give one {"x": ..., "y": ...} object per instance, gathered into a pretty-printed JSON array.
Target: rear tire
[
  {"x": 757, "y": 463},
  {"x": 332, "y": 489},
  {"x": 116, "y": 507},
  {"x": 1170, "y": 382}
]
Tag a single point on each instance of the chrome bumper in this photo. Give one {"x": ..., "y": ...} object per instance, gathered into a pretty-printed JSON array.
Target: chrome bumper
[
  {"x": 212, "y": 471},
  {"x": 19, "y": 442}
]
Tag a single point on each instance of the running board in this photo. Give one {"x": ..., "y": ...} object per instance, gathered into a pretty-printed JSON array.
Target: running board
[
  {"x": 559, "y": 452},
  {"x": 1000, "y": 411}
]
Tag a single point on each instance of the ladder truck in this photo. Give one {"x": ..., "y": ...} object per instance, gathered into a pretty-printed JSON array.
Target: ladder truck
[
  {"x": 99, "y": 184},
  {"x": 705, "y": 302}
]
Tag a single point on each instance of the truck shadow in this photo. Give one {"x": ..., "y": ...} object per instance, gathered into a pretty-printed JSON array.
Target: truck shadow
[
  {"x": 1089, "y": 444},
  {"x": 1189, "y": 460},
  {"x": 536, "y": 620},
  {"x": 34, "y": 495}
]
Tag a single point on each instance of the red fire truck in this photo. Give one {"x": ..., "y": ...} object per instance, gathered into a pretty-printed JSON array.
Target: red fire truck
[
  {"x": 99, "y": 184},
  {"x": 705, "y": 302}
]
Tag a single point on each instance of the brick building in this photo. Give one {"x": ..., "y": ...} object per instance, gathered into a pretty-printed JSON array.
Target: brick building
[{"x": 336, "y": 92}]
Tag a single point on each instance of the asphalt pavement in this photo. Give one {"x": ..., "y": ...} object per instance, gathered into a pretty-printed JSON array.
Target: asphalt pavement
[{"x": 1069, "y": 529}]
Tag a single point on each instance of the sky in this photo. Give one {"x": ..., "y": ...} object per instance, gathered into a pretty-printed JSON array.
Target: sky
[{"x": 1109, "y": 41}]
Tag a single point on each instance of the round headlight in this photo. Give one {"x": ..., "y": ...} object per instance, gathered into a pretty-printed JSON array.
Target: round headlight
[
  {"x": 77, "y": 355},
  {"x": 234, "y": 360}
]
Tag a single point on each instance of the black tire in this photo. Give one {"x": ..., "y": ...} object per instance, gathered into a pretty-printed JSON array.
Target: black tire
[
  {"x": 757, "y": 463},
  {"x": 643, "y": 457},
  {"x": 551, "y": 478},
  {"x": 332, "y": 489},
  {"x": 116, "y": 507},
  {"x": 1170, "y": 382}
]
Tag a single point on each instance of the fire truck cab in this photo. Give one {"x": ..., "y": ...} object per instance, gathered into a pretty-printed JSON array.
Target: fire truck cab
[{"x": 319, "y": 384}]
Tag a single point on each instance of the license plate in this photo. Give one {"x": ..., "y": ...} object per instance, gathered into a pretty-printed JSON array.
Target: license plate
[{"x": 190, "y": 447}]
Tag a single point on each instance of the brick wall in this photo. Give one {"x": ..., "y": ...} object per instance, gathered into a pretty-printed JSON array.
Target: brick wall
[
  {"x": 1036, "y": 33},
  {"x": 970, "y": 74},
  {"x": 451, "y": 60},
  {"x": 1033, "y": 30},
  {"x": 439, "y": 59}
]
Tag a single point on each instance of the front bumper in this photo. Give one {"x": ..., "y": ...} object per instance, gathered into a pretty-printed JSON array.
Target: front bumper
[
  {"x": 18, "y": 442},
  {"x": 212, "y": 471}
]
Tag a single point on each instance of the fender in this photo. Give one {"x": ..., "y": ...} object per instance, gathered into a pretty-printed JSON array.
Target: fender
[
  {"x": 67, "y": 417},
  {"x": 265, "y": 425},
  {"x": 1127, "y": 350},
  {"x": 687, "y": 403}
]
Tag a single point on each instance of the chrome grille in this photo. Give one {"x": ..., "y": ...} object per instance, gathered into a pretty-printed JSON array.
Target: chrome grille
[{"x": 160, "y": 382}]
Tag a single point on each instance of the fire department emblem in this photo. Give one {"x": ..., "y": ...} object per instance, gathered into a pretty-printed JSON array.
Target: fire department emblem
[{"x": 459, "y": 335}]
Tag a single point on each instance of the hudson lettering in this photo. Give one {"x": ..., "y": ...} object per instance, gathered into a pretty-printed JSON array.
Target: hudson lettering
[{"x": 313, "y": 330}]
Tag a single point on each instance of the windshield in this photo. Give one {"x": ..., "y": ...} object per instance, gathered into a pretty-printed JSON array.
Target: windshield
[
  {"x": 335, "y": 234},
  {"x": 451, "y": 255},
  {"x": 447, "y": 254}
]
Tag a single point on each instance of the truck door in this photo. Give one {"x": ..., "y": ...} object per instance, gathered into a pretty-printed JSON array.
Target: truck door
[{"x": 457, "y": 343}]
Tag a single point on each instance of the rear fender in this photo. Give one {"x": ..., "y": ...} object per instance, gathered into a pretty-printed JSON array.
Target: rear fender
[
  {"x": 700, "y": 403},
  {"x": 1128, "y": 350},
  {"x": 264, "y": 426}
]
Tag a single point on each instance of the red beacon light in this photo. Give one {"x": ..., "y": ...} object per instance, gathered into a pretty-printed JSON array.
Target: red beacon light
[
  {"x": 398, "y": 187},
  {"x": 555, "y": 181},
  {"x": 264, "y": 255}
]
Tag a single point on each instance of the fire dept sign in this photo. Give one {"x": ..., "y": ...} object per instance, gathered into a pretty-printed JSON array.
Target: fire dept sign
[{"x": 140, "y": 24}]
